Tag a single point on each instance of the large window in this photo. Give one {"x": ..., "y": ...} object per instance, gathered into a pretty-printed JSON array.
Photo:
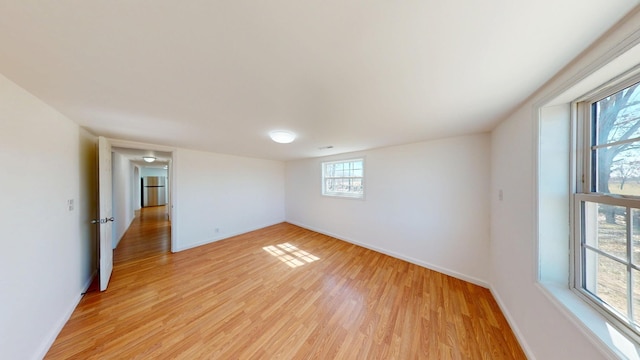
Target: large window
[
  {"x": 607, "y": 203},
  {"x": 343, "y": 178}
]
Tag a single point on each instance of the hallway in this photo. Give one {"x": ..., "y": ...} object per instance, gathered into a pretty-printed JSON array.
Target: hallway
[{"x": 149, "y": 235}]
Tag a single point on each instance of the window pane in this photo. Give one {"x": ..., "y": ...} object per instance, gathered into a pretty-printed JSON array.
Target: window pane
[
  {"x": 329, "y": 185},
  {"x": 636, "y": 297},
  {"x": 357, "y": 165},
  {"x": 607, "y": 280},
  {"x": 356, "y": 185},
  {"x": 617, "y": 116},
  {"x": 329, "y": 170},
  {"x": 606, "y": 228},
  {"x": 635, "y": 236},
  {"x": 618, "y": 169},
  {"x": 610, "y": 235},
  {"x": 344, "y": 178},
  {"x": 342, "y": 185}
]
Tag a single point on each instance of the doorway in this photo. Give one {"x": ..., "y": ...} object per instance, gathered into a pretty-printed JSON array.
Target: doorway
[{"x": 132, "y": 162}]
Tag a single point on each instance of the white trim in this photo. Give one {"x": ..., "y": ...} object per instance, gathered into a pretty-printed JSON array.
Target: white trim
[
  {"x": 424, "y": 264},
  {"x": 124, "y": 232},
  {"x": 615, "y": 143},
  {"x": 48, "y": 340},
  {"x": 226, "y": 236},
  {"x": 607, "y": 339},
  {"x": 173, "y": 200},
  {"x": 139, "y": 146},
  {"x": 586, "y": 319},
  {"x": 173, "y": 176},
  {"x": 604, "y": 336},
  {"x": 609, "y": 199},
  {"x": 616, "y": 84},
  {"x": 512, "y": 323},
  {"x": 344, "y": 195},
  {"x": 536, "y": 153}
]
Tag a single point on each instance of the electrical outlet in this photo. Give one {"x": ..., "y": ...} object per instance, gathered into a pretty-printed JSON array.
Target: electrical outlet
[
  {"x": 70, "y": 204},
  {"x": 217, "y": 230}
]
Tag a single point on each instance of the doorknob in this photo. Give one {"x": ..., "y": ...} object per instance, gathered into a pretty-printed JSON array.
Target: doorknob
[{"x": 102, "y": 221}]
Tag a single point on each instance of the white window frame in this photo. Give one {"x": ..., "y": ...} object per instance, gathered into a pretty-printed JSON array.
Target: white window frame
[
  {"x": 586, "y": 192},
  {"x": 346, "y": 195}
]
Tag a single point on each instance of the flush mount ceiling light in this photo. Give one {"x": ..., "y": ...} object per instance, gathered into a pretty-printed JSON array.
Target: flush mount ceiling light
[
  {"x": 149, "y": 159},
  {"x": 282, "y": 136}
]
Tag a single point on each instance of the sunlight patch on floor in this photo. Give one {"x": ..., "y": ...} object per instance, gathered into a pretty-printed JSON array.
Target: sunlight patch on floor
[{"x": 290, "y": 254}]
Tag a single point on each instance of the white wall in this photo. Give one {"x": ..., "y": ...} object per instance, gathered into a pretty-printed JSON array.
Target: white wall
[
  {"x": 546, "y": 330},
  {"x": 542, "y": 327},
  {"x": 426, "y": 203},
  {"x": 152, "y": 171},
  {"x": 46, "y": 258},
  {"x": 123, "y": 192},
  {"x": 229, "y": 193}
]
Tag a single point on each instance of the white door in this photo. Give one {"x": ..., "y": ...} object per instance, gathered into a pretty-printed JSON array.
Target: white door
[{"x": 105, "y": 221}]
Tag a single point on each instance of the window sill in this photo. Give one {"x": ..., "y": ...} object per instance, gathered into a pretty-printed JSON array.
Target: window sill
[
  {"x": 601, "y": 332},
  {"x": 354, "y": 197}
]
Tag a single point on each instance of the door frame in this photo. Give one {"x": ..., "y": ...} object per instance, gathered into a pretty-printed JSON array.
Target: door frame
[{"x": 171, "y": 173}]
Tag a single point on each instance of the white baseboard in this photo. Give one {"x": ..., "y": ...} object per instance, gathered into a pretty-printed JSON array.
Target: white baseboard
[
  {"x": 418, "y": 262},
  {"x": 53, "y": 334},
  {"x": 222, "y": 237},
  {"x": 124, "y": 233},
  {"x": 512, "y": 324},
  {"x": 525, "y": 346},
  {"x": 521, "y": 339}
]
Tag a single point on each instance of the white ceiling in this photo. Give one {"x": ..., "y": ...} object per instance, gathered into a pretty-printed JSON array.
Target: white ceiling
[
  {"x": 219, "y": 75},
  {"x": 136, "y": 156}
]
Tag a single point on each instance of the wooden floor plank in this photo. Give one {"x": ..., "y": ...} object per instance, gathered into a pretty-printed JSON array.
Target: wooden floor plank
[{"x": 282, "y": 292}]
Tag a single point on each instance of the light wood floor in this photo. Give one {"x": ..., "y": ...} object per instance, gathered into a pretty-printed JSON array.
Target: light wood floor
[{"x": 282, "y": 292}]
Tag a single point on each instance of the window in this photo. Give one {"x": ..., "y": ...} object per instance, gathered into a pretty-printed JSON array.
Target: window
[
  {"x": 607, "y": 204},
  {"x": 343, "y": 178}
]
